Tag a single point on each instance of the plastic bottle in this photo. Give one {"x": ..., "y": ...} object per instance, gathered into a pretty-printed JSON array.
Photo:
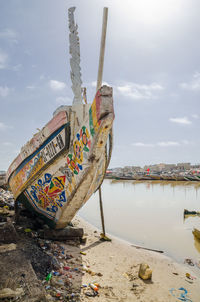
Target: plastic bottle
[
  {"x": 48, "y": 277},
  {"x": 94, "y": 287}
]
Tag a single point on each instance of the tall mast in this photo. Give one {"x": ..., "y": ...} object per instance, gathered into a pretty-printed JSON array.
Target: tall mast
[
  {"x": 74, "y": 50},
  {"x": 102, "y": 47}
]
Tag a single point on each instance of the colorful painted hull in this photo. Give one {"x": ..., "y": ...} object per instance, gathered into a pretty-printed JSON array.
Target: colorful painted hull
[{"x": 69, "y": 165}]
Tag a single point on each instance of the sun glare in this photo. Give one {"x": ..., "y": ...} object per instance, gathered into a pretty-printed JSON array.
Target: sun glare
[{"x": 150, "y": 11}]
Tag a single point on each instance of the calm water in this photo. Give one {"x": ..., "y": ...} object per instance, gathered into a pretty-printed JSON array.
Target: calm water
[{"x": 149, "y": 214}]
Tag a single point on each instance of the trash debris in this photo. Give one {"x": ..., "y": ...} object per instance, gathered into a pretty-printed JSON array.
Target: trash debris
[
  {"x": 145, "y": 272},
  {"x": 27, "y": 230},
  {"x": 48, "y": 277},
  {"x": 189, "y": 261},
  {"x": 82, "y": 253},
  {"x": 9, "y": 293},
  {"x": 103, "y": 237},
  {"x": 67, "y": 268},
  {"x": 94, "y": 287},
  {"x": 189, "y": 276},
  {"x": 180, "y": 294},
  {"x": 91, "y": 293}
]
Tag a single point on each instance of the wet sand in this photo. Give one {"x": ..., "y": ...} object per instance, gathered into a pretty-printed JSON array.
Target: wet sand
[{"x": 115, "y": 265}]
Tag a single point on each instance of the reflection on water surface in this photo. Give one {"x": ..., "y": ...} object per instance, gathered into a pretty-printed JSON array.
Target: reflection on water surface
[{"x": 150, "y": 214}]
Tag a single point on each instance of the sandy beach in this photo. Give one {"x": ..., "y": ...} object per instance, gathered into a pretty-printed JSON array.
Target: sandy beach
[
  {"x": 115, "y": 267},
  {"x": 39, "y": 268}
]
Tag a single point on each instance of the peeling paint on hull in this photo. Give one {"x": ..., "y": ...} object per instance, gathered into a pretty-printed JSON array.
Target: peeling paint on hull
[{"x": 60, "y": 176}]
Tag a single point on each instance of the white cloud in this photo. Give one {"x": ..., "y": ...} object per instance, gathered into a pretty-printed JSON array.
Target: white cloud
[
  {"x": 56, "y": 85},
  {"x": 180, "y": 120},
  {"x": 94, "y": 84},
  {"x": 195, "y": 116},
  {"x": 63, "y": 100},
  {"x": 193, "y": 85},
  {"x": 160, "y": 144},
  {"x": 3, "y": 126},
  {"x": 140, "y": 91},
  {"x": 9, "y": 34},
  {"x": 185, "y": 142},
  {"x": 140, "y": 144},
  {"x": 168, "y": 144},
  {"x": 4, "y": 91},
  {"x": 3, "y": 59}
]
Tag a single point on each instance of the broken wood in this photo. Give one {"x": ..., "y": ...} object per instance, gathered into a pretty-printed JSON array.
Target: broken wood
[
  {"x": 145, "y": 248},
  {"x": 65, "y": 234}
]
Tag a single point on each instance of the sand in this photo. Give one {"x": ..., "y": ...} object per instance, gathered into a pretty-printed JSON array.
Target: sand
[{"x": 114, "y": 266}]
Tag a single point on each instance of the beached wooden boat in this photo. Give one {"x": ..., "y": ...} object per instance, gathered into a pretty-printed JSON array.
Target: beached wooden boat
[{"x": 59, "y": 169}]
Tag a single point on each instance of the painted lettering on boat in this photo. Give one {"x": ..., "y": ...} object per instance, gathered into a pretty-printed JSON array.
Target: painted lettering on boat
[
  {"x": 40, "y": 192},
  {"x": 52, "y": 148},
  {"x": 47, "y": 152},
  {"x": 59, "y": 182}
]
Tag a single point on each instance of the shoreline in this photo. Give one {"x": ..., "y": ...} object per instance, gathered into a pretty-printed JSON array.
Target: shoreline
[
  {"x": 117, "y": 264},
  {"x": 140, "y": 246}
]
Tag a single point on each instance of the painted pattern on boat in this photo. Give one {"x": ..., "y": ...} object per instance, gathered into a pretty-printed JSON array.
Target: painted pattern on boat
[
  {"x": 52, "y": 190},
  {"x": 57, "y": 182},
  {"x": 34, "y": 163}
]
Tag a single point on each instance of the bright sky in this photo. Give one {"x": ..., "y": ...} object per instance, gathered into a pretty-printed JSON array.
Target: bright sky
[{"x": 151, "y": 61}]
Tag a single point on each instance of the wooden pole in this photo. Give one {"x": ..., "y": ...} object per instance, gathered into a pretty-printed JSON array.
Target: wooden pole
[
  {"x": 102, "y": 47},
  {"x": 99, "y": 83},
  {"x": 101, "y": 210}
]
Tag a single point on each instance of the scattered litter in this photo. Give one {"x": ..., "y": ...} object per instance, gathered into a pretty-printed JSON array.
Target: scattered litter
[
  {"x": 189, "y": 276},
  {"x": 91, "y": 293},
  {"x": 27, "y": 230},
  {"x": 180, "y": 294},
  {"x": 48, "y": 277},
  {"x": 67, "y": 268},
  {"x": 82, "y": 253},
  {"x": 94, "y": 287},
  {"x": 103, "y": 237},
  {"x": 145, "y": 272},
  {"x": 125, "y": 275},
  {"x": 189, "y": 261}
]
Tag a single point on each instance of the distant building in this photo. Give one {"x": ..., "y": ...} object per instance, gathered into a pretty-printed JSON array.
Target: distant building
[{"x": 183, "y": 166}]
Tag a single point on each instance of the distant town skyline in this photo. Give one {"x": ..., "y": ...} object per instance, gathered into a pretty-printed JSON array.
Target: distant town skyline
[{"x": 151, "y": 61}]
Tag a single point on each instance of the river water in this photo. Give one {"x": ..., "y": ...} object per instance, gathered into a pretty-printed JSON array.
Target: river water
[{"x": 149, "y": 214}]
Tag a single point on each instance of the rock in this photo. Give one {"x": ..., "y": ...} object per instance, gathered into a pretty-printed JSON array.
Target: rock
[
  {"x": 8, "y": 233},
  {"x": 7, "y": 247},
  {"x": 145, "y": 272},
  {"x": 9, "y": 293}
]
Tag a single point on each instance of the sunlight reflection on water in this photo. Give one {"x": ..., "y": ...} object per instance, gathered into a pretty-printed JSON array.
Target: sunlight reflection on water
[{"x": 149, "y": 214}]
